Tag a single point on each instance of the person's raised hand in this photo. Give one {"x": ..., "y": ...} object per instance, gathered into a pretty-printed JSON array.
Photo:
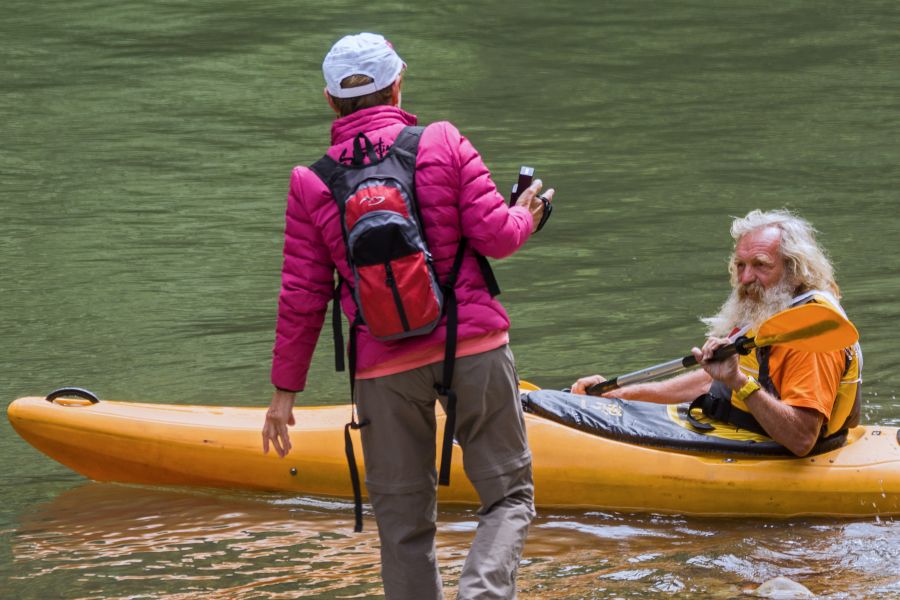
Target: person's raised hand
[{"x": 535, "y": 201}]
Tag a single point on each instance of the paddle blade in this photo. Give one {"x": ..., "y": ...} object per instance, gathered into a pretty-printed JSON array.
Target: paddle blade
[{"x": 809, "y": 328}]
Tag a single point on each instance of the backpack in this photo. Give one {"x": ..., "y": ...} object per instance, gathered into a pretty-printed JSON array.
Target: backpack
[{"x": 395, "y": 287}]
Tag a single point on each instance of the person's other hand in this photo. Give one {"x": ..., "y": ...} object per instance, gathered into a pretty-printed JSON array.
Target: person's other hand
[
  {"x": 531, "y": 199},
  {"x": 581, "y": 386},
  {"x": 279, "y": 416}
]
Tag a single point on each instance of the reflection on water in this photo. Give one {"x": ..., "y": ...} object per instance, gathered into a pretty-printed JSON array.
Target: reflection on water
[
  {"x": 176, "y": 544},
  {"x": 166, "y": 543}
]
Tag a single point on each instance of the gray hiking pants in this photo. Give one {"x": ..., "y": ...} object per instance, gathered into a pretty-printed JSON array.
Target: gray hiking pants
[{"x": 399, "y": 450}]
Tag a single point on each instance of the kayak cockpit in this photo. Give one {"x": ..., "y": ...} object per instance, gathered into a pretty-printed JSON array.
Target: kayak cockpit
[{"x": 654, "y": 425}]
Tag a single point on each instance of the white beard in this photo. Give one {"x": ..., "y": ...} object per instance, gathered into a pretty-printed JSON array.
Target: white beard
[{"x": 749, "y": 305}]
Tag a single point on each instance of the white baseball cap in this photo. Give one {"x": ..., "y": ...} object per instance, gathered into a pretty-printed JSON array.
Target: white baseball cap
[{"x": 362, "y": 54}]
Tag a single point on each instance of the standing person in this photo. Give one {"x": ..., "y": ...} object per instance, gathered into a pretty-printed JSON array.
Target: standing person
[
  {"x": 397, "y": 381},
  {"x": 796, "y": 398}
]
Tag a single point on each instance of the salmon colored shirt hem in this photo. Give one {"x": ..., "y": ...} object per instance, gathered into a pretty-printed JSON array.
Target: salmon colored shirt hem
[{"x": 433, "y": 354}]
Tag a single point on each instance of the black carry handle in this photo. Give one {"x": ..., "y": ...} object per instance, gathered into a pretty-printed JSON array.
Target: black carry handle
[
  {"x": 742, "y": 345},
  {"x": 72, "y": 391},
  {"x": 359, "y": 152}
]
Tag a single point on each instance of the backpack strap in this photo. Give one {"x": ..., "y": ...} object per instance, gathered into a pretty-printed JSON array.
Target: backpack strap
[
  {"x": 445, "y": 387},
  {"x": 326, "y": 169},
  {"x": 488, "y": 274},
  {"x": 407, "y": 143},
  {"x": 336, "y": 326},
  {"x": 407, "y": 140},
  {"x": 354, "y": 424}
]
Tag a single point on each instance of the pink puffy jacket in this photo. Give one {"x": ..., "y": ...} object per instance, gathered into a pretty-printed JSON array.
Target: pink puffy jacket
[{"x": 456, "y": 198}]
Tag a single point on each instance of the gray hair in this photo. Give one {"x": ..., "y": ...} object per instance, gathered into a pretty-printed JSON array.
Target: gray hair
[{"x": 806, "y": 262}]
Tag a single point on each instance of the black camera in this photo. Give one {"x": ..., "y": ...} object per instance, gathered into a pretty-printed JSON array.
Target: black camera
[{"x": 526, "y": 176}]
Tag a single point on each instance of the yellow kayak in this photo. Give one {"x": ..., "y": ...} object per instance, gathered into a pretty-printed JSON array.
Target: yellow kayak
[{"x": 574, "y": 468}]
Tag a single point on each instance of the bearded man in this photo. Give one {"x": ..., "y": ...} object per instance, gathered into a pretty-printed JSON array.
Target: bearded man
[{"x": 795, "y": 398}]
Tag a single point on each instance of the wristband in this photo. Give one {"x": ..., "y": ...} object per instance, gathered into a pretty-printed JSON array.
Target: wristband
[
  {"x": 548, "y": 208},
  {"x": 748, "y": 388}
]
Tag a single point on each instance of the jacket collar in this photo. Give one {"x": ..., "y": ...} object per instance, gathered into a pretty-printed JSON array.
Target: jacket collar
[{"x": 368, "y": 119}]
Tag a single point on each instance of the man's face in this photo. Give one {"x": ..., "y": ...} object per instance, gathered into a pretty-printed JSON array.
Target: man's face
[{"x": 759, "y": 263}]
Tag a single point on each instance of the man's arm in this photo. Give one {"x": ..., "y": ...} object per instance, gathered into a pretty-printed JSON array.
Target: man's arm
[
  {"x": 683, "y": 388},
  {"x": 794, "y": 427}
]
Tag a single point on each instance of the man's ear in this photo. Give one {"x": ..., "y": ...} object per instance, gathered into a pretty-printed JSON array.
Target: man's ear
[{"x": 331, "y": 101}]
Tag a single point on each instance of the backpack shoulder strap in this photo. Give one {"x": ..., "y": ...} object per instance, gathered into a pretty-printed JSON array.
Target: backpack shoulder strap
[
  {"x": 326, "y": 169},
  {"x": 488, "y": 274},
  {"x": 408, "y": 142},
  {"x": 408, "y": 139}
]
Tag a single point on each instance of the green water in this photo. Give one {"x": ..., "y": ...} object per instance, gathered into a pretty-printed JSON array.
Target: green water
[{"x": 145, "y": 154}]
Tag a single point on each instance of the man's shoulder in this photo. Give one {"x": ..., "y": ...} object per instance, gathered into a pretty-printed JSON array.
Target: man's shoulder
[{"x": 799, "y": 360}]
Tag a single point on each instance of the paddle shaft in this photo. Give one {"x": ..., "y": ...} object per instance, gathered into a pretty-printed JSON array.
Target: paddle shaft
[{"x": 742, "y": 345}]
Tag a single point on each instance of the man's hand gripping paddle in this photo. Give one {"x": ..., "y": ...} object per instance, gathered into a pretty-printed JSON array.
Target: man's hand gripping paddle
[{"x": 809, "y": 327}]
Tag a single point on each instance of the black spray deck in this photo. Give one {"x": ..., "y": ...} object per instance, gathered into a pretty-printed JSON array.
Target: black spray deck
[{"x": 648, "y": 424}]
